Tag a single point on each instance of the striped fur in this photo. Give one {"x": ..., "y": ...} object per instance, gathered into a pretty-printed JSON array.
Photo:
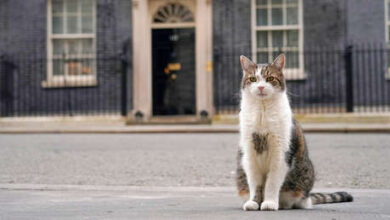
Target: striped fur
[{"x": 323, "y": 198}]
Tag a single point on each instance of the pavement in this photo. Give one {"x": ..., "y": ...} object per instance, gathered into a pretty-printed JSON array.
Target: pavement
[
  {"x": 175, "y": 176},
  {"x": 170, "y": 203}
]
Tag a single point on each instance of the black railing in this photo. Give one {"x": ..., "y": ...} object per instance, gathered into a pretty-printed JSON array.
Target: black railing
[
  {"x": 31, "y": 86},
  {"x": 355, "y": 78}
]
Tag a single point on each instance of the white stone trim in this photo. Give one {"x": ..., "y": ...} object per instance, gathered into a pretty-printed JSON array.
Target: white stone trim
[
  {"x": 292, "y": 73},
  {"x": 142, "y": 68},
  {"x": 387, "y": 24},
  {"x": 66, "y": 80},
  {"x": 142, "y": 57}
]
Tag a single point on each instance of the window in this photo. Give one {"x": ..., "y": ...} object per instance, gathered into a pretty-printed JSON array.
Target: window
[
  {"x": 71, "y": 43},
  {"x": 277, "y": 27},
  {"x": 173, "y": 15}
]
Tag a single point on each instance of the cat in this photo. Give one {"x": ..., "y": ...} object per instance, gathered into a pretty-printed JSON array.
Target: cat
[{"x": 274, "y": 170}]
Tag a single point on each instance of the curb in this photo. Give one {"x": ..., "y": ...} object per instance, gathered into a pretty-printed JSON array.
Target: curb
[
  {"x": 328, "y": 128},
  {"x": 49, "y": 187}
]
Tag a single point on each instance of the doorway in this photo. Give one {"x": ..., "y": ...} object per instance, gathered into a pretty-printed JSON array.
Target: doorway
[{"x": 173, "y": 60}]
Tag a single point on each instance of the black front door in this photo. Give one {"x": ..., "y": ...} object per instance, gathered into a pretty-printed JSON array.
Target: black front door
[{"x": 173, "y": 57}]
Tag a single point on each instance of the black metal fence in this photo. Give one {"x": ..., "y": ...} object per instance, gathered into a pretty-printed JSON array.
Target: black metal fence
[
  {"x": 355, "y": 78},
  {"x": 320, "y": 80},
  {"x": 36, "y": 86}
]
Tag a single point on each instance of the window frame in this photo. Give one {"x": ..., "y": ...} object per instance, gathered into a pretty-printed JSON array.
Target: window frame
[
  {"x": 387, "y": 37},
  {"x": 69, "y": 80},
  {"x": 290, "y": 73}
]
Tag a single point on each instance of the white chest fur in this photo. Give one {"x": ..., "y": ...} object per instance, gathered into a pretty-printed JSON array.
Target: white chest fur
[
  {"x": 272, "y": 118},
  {"x": 268, "y": 116}
]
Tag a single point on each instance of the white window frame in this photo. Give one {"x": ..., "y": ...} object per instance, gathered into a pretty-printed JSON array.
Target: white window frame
[
  {"x": 290, "y": 73},
  {"x": 387, "y": 24},
  {"x": 66, "y": 80}
]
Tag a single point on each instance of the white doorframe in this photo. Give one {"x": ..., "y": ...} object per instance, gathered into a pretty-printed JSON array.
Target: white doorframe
[{"x": 142, "y": 57}]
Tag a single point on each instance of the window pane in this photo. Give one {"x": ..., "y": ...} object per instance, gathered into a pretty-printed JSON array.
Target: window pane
[
  {"x": 262, "y": 57},
  {"x": 71, "y": 6},
  {"x": 277, "y": 16},
  {"x": 86, "y": 6},
  {"x": 276, "y": 2},
  {"x": 292, "y": 38},
  {"x": 73, "y": 47},
  {"x": 86, "y": 68},
  {"x": 86, "y": 23},
  {"x": 74, "y": 67},
  {"x": 261, "y": 2},
  {"x": 262, "y": 39},
  {"x": 86, "y": 47},
  {"x": 388, "y": 58},
  {"x": 58, "y": 47},
  {"x": 57, "y": 25},
  {"x": 292, "y": 15},
  {"x": 72, "y": 25},
  {"x": 292, "y": 60},
  {"x": 57, "y": 6},
  {"x": 388, "y": 11},
  {"x": 275, "y": 54},
  {"x": 262, "y": 15},
  {"x": 388, "y": 29},
  {"x": 277, "y": 39},
  {"x": 292, "y": 1},
  {"x": 58, "y": 67}
]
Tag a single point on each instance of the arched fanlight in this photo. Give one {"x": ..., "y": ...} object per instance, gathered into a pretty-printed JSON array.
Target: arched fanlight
[{"x": 173, "y": 13}]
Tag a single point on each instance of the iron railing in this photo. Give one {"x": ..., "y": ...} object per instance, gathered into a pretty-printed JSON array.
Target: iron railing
[
  {"x": 33, "y": 86},
  {"x": 355, "y": 78}
]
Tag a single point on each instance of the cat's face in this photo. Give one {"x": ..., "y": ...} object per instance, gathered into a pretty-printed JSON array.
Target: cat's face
[{"x": 263, "y": 81}]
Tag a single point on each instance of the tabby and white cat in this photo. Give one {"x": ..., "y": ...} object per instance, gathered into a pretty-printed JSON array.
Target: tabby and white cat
[{"x": 274, "y": 170}]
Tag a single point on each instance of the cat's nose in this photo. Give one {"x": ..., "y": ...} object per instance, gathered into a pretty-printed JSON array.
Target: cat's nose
[{"x": 261, "y": 88}]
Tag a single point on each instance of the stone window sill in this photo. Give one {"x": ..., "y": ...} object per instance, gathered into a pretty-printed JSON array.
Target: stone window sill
[
  {"x": 62, "y": 83},
  {"x": 294, "y": 74}
]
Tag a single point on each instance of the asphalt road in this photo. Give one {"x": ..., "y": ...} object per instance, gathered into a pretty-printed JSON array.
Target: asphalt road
[
  {"x": 341, "y": 160},
  {"x": 115, "y": 176}
]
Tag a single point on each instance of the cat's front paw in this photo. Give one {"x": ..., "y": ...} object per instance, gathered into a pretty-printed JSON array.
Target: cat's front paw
[
  {"x": 250, "y": 206},
  {"x": 269, "y": 206}
]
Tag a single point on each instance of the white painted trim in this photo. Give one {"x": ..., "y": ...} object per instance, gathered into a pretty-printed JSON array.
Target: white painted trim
[
  {"x": 277, "y": 28},
  {"x": 142, "y": 49},
  {"x": 142, "y": 65},
  {"x": 294, "y": 74},
  {"x": 253, "y": 28},
  {"x": 302, "y": 74},
  {"x": 173, "y": 25},
  {"x": 49, "y": 42},
  {"x": 72, "y": 36},
  {"x": 54, "y": 81},
  {"x": 387, "y": 24},
  {"x": 204, "y": 76},
  {"x": 76, "y": 81}
]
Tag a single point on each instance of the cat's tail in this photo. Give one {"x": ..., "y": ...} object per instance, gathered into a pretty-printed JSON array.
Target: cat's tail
[{"x": 322, "y": 198}]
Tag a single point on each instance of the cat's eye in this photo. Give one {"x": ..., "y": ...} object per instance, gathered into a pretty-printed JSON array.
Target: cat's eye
[
  {"x": 253, "y": 79},
  {"x": 270, "y": 78}
]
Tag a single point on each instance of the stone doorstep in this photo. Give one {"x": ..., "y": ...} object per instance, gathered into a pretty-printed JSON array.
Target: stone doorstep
[{"x": 350, "y": 118}]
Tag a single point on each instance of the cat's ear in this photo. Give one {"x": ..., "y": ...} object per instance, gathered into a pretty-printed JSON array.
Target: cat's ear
[
  {"x": 279, "y": 61},
  {"x": 247, "y": 65}
]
